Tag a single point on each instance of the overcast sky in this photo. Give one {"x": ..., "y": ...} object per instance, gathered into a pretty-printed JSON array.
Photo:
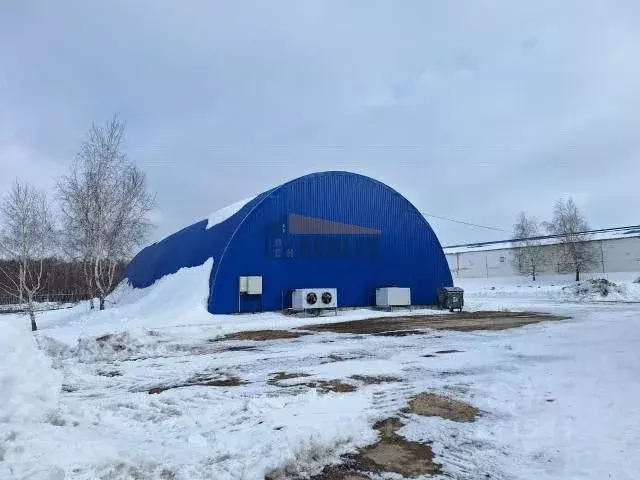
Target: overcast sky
[{"x": 472, "y": 110}]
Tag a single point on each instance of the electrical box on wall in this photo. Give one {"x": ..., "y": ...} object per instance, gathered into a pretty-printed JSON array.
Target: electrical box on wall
[
  {"x": 251, "y": 285},
  {"x": 243, "y": 284},
  {"x": 254, "y": 285}
]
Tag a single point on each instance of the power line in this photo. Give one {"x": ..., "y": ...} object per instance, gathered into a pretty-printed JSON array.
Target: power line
[{"x": 463, "y": 223}]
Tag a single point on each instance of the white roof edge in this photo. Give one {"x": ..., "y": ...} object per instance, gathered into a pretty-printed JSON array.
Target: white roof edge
[{"x": 609, "y": 234}]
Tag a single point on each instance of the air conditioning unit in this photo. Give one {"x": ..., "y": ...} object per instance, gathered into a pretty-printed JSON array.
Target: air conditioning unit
[
  {"x": 393, "y": 297},
  {"x": 314, "y": 298}
]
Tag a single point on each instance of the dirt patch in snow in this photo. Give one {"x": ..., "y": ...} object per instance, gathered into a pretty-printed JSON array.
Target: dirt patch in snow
[
  {"x": 240, "y": 348},
  {"x": 390, "y": 454},
  {"x": 336, "y": 386},
  {"x": 211, "y": 348},
  {"x": 109, "y": 373},
  {"x": 400, "y": 333},
  {"x": 375, "y": 379},
  {"x": 334, "y": 357},
  {"x": 277, "y": 377},
  {"x": 433, "y": 405},
  {"x": 334, "y": 474},
  {"x": 261, "y": 335},
  {"x": 202, "y": 381},
  {"x": 323, "y": 386},
  {"x": 408, "y": 325},
  {"x": 114, "y": 343},
  {"x": 393, "y": 453}
]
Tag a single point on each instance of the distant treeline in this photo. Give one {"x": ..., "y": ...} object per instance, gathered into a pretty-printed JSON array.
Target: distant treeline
[{"x": 62, "y": 281}]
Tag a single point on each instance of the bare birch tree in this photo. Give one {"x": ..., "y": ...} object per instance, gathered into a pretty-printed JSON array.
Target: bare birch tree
[
  {"x": 105, "y": 206},
  {"x": 27, "y": 236},
  {"x": 575, "y": 252},
  {"x": 528, "y": 256}
]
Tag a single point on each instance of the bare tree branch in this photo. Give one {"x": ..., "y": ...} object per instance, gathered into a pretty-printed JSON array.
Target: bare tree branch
[
  {"x": 9, "y": 291},
  {"x": 27, "y": 236},
  {"x": 105, "y": 205},
  {"x": 528, "y": 255},
  {"x": 9, "y": 277},
  {"x": 574, "y": 253}
]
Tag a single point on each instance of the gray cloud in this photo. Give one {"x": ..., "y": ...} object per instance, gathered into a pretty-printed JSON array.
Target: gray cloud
[{"x": 474, "y": 111}]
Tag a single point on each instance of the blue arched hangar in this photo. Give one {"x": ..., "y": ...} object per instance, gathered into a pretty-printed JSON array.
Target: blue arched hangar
[{"x": 337, "y": 230}]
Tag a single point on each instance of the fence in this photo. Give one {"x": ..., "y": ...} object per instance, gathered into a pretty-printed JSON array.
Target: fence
[{"x": 49, "y": 301}]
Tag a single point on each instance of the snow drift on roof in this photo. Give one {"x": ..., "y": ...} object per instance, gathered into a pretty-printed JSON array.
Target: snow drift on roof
[{"x": 221, "y": 215}]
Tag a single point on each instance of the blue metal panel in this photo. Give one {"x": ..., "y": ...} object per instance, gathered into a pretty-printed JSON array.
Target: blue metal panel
[
  {"x": 190, "y": 247},
  {"x": 331, "y": 229},
  {"x": 405, "y": 252}
]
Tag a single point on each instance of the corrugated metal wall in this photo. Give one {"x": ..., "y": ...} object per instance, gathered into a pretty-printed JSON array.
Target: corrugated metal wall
[
  {"x": 349, "y": 232},
  {"x": 189, "y": 247},
  {"x": 610, "y": 256},
  {"x": 405, "y": 252}
]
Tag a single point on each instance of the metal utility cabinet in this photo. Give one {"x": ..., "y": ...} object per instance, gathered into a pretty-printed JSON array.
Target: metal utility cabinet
[
  {"x": 250, "y": 287},
  {"x": 393, "y": 297}
]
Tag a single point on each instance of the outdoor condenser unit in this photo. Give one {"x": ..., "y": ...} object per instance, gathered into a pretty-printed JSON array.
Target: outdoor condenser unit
[
  {"x": 314, "y": 298},
  {"x": 393, "y": 297}
]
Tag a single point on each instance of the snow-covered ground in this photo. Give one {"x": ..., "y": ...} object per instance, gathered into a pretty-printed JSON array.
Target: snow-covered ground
[
  {"x": 559, "y": 399},
  {"x": 560, "y": 288}
]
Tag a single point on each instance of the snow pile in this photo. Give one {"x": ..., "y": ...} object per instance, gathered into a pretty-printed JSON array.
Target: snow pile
[
  {"x": 28, "y": 384},
  {"x": 598, "y": 289},
  {"x": 185, "y": 291},
  {"x": 176, "y": 299},
  {"x": 223, "y": 214},
  {"x": 552, "y": 289},
  {"x": 107, "y": 347}
]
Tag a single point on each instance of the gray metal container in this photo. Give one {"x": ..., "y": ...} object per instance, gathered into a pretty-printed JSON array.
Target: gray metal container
[{"x": 451, "y": 298}]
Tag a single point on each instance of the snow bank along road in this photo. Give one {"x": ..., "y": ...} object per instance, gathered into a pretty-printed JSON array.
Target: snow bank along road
[{"x": 148, "y": 394}]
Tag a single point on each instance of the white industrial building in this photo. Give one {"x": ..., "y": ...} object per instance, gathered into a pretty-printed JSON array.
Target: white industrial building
[{"x": 616, "y": 250}]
